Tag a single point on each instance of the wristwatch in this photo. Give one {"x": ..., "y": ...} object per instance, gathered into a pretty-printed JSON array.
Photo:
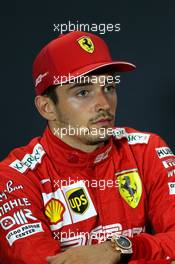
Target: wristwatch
[{"x": 124, "y": 245}]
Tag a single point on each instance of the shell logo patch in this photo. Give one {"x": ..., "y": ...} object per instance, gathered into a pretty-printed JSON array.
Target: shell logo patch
[
  {"x": 130, "y": 186},
  {"x": 54, "y": 210},
  {"x": 86, "y": 44},
  {"x": 78, "y": 200}
]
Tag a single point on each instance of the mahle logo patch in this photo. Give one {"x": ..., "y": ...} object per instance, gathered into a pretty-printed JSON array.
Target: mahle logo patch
[
  {"x": 86, "y": 44},
  {"x": 78, "y": 200},
  {"x": 130, "y": 186}
]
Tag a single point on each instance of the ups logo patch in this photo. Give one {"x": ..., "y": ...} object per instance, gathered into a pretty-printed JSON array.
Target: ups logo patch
[{"x": 78, "y": 200}]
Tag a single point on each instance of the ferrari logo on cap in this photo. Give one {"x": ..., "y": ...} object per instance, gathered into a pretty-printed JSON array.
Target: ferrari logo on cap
[
  {"x": 130, "y": 186},
  {"x": 86, "y": 44}
]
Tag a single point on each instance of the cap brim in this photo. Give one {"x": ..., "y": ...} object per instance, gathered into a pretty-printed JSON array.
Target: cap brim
[{"x": 118, "y": 66}]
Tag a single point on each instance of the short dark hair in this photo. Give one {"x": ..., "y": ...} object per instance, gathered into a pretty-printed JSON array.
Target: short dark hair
[{"x": 51, "y": 93}]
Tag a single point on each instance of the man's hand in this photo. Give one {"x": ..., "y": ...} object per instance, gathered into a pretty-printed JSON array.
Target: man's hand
[{"x": 101, "y": 253}]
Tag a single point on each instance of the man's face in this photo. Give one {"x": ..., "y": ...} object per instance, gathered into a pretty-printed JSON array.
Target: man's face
[{"x": 88, "y": 108}]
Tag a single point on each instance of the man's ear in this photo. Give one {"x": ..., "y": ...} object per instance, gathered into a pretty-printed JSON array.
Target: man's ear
[{"x": 45, "y": 107}]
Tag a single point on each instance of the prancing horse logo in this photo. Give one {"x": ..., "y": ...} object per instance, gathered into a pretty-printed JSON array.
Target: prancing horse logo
[
  {"x": 130, "y": 186},
  {"x": 86, "y": 44}
]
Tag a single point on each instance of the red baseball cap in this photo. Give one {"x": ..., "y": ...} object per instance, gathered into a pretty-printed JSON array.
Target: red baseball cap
[{"x": 70, "y": 56}]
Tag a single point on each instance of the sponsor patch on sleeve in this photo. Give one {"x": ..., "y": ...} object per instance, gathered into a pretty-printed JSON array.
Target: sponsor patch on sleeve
[
  {"x": 133, "y": 138},
  {"x": 30, "y": 160},
  {"x": 171, "y": 186},
  {"x": 9, "y": 189},
  {"x": 169, "y": 163},
  {"x": 138, "y": 138},
  {"x": 171, "y": 173},
  {"x": 23, "y": 231},
  {"x": 164, "y": 152},
  {"x": 19, "y": 217}
]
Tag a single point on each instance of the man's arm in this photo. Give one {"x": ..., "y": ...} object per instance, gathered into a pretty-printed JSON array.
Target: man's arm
[
  {"x": 159, "y": 182},
  {"x": 102, "y": 253},
  {"x": 25, "y": 236}
]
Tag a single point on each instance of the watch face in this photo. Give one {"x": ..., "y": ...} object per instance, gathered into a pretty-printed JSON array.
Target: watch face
[{"x": 123, "y": 242}]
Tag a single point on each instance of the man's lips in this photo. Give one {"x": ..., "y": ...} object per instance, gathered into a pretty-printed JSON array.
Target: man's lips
[{"x": 103, "y": 121}]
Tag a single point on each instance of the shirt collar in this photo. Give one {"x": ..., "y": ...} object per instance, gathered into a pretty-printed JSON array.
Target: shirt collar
[{"x": 62, "y": 153}]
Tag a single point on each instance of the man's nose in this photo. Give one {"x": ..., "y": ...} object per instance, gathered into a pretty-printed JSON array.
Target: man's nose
[{"x": 101, "y": 102}]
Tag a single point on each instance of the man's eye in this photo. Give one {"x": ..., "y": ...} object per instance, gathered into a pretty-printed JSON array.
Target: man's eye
[
  {"x": 109, "y": 89},
  {"x": 82, "y": 93}
]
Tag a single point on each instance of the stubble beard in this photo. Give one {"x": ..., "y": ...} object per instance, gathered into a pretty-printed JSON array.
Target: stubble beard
[{"x": 86, "y": 137}]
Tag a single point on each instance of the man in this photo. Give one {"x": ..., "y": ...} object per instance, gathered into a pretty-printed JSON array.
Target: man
[{"x": 85, "y": 192}]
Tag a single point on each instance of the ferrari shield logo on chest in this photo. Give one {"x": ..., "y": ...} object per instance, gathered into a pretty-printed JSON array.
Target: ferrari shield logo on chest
[
  {"x": 130, "y": 186},
  {"x": 86, "y": 44},
  {"x": 78, "y": 200}
]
